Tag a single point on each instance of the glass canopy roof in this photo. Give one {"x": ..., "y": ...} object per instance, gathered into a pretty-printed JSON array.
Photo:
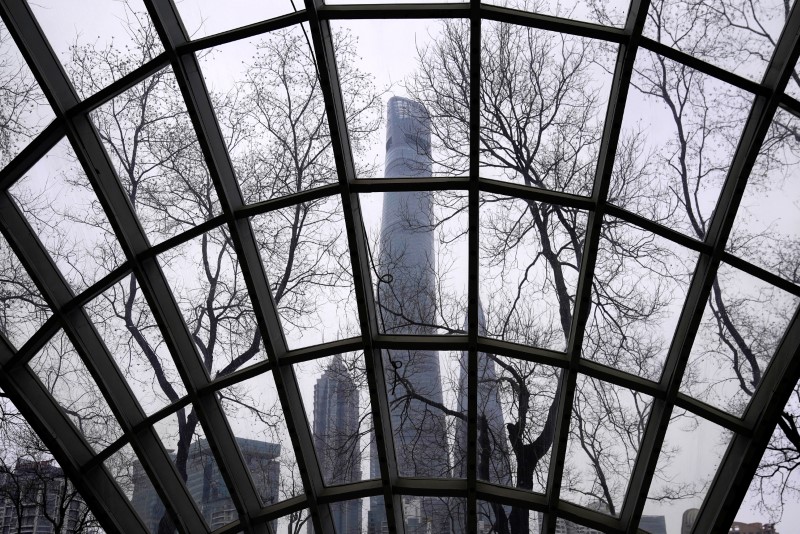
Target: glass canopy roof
[{"x": 512, "y": 267}]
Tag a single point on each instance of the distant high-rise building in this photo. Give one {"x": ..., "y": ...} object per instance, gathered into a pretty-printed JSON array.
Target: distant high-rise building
[
  {"x": 752, "y": 528},
  {"x": 35, "y": 496},
  {"x": 406, "y": 278},
  {"x": 206, "y": 486},
  {"x": 336, "y": 440},
  {"x": 688, "y": 519},
  {"x": 653, "y": 524}
]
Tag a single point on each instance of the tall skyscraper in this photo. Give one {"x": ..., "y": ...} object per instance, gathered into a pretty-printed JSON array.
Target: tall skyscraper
[
  {"x": 206, "y": 486},
  {"x": 336, "y": 439},
  {"x": 688, "y": 519},
  {"x": 653, "y": 524},
  {"x": 406, "y": 277}
]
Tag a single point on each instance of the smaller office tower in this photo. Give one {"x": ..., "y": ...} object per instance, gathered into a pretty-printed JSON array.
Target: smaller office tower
[
  {"x": 337, "y": 439},
  {"x": 36, "y": 496},
  {"x": 653, "y": 524}
]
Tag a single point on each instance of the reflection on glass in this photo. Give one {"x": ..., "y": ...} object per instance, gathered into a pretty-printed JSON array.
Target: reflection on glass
[
  {"x": 189, "y": 449},
  {"x": 411, "y": 64},
  {"x": 743, "y": 322},
  {"x": 148, "y": 134},
  {"x": 24, "y": 111},
  {"x": 24, "y": 310},
  {"x": 340, "y": 415},
  {"x": 605, "y": 430},
  {"x": 98, "y": 46},
  {"x": 207, "y": 282},
  {"x": 640, "y": 285},
  {"x": 269, "y": 104},
  {"x": 307, "y": 262},
  {"x": 61, "y": 207},
  {"x": 610, "y": 12},
  {"x": 687, "y": 462},
  {"x": 126, "y": 324},
  {"x": 530, "y": 257},
  {"x": 737, "y": 36},
  {"x": 33, "y": 487},
  {"x": 207, "y": 17},
  {"x": 257, "y": 421},
  {"x": 543, "y": 100},
  {"x": 66, "y": 377},
  {"x": 766, "y": 230}
]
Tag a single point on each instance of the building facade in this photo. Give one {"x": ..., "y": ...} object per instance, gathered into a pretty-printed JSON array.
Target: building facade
[
  {"x": 336, "y": 440},
  {"x": 36, "y": 498},
  {"x": 752, "y": 528},
  {"x": 206, "y": 486},
  {"x": 653, "y": 524}
]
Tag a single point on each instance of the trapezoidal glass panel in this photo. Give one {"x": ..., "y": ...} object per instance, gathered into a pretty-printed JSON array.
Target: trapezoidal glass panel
[
  {"x": 207, "y": 17},
  {"x": 410, "y": 73},
  {"x": 150, "y": 139},
  {"x": 543, "y": 101},
  {"x": 98, "y": 46},
  {"x": 530, "y": 255},
  {"x": 743, "y": 323},
  {"x": 269, "y": 104},
  {"x": 679, "y": 134},
  {"x": 59, "y": 203},
  {"x": 126, "y": 469}
]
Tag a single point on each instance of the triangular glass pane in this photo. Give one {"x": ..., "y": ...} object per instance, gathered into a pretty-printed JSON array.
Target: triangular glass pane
[
  {"x": 606, "y": 428},
  {"x": 543, "y": 101},
  {"x": 207, "y": 17},
  {"x": 640, "y": 284},
  {"x": 530, "y": 256},
  {"x": 743, "y": 322},
  {"x": 65, "y": 376},
  {"x": 98, "y": 46},
  {"x": 25, "y": 111},
  {"x": 680, "y": 131},
  {"x": 129, "y": 330},
  {"x": 336, "y": 398},
  {"x": 269, "y": 104},
  {"x": 148, "y": 134},
  {"x": 414, "y": 81},
  {"x": 208, "y": 284},
  {"x": 610, "y": 12},
  {"x": 24, "y": 310},
  {"x": 737, "y": 36},
  {"x": 256, "y": 418},
  {"x": 59, "y": 203},
  {"x": 766, "y": 230},
  {"x": 687, "y": 462},
  {"x": 306, "y": 258}
]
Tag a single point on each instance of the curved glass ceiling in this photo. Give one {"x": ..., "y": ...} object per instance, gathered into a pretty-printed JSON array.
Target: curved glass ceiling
[{"x": 510, "y": 267}]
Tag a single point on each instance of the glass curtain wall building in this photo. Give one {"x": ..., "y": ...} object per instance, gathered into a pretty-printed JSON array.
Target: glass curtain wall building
[{"x": 511, "y": 267}]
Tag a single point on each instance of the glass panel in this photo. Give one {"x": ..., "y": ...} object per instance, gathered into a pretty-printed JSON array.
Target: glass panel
[
  {"x": 207, "y": 281},
  {"x": 23, "y": 309},
  {"x": 793, "y": 87},
  {"x": 98, "y": 46},
  {"x": 126, "y": 469},
  {"x": 424, "y": 410},
  {"x": 126, "y": 324},
  {"x": 640, "y": 286},
  {"x": 257, "y": 421},
  {"x": 60, "y": 205},
  {"x": 24, "y": 111},
  {"x": 737, "y": 36},
  {"x": 766, "y": 230},
  {"x": 606, "y": 427},
  {"x": 743, "y": 322},
  {"x": 543, "y": 101},
  {"x": 432, "y": 514},
  {"x": 686, "y": 465},
  {"x": 207, "y": 17},
  {"x": 295, "y": 523},
  {"x": 417, "y": 76},
  {"x": 375, "y": 520},
  {"x": 351, "y": 517},
  {"x": 418, "y": 258},
  {"x": 306, "y": 258},
  {"x": 678, "y": 137},
  {"x": 610, "y": 12},
  {"x": 334, "y": 2},
  {"x": 147, "y": 132},
  {"x": 494, "y": 517},
  {"x": 270, "y": 107},
  {"x": 65, "y": 376},
  {"x": 336, "y": 399},
  {"x": 530, "y": 256},
  {"x": 185, "y": 440},
  {"x": 33, "y": 488}
]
